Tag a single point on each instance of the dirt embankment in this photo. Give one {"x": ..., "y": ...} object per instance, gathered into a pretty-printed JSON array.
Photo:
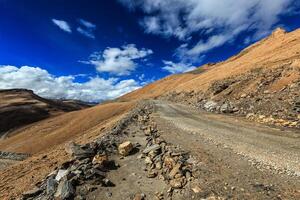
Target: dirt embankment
[{"x": 46, "y": 140}]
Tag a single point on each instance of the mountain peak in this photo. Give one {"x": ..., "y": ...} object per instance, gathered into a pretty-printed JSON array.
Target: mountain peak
[{"x": 278, "y": 32}]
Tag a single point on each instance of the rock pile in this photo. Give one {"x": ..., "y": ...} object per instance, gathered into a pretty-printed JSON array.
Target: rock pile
[
  {"x": 164, "y": 160},
  {"x": 90, "y": 165}
]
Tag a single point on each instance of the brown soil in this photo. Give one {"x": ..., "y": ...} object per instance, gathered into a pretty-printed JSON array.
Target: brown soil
[
  {"x": 46, "y": 141},
  {"x": 19, "y": 107}
]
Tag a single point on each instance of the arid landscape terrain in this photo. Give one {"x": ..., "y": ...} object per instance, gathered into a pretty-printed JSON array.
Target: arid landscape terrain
[{"x": 227, "y": 130}]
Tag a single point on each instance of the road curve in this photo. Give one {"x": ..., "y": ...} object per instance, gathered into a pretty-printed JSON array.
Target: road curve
[{"x": 265, "y": 146}]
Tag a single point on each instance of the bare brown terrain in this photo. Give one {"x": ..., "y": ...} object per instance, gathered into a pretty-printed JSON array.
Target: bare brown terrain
[
  {"x": 279, "y": 49},
  {"x": 233, "y": 158},
  {"x": 19, "y": 107}
]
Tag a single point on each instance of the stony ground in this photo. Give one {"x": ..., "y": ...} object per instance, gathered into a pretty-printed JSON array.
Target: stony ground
[
  {"x": 263, "y": 95},
  {"x": 169, "y": 151}
]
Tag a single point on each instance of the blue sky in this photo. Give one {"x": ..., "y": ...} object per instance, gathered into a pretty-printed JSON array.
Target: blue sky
[{"x": 100, "y": 49}]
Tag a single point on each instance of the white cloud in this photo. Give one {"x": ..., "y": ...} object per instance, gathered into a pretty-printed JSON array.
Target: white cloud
[
  {"x": 47, "y": 85},
  {"x": 217, "y": 21},
  {"x": 87, "y": 24},
  {"x": 86, "y": 28},
  {"x": 176, "y": 68},
  {"x": 118, "y": 61},
  {"x": 63, "y": 25},
  {"x": 86, "y": 33}
]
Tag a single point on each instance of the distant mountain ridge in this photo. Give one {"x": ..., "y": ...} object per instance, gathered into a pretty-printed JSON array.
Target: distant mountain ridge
[{"x": 19, "y": 107}]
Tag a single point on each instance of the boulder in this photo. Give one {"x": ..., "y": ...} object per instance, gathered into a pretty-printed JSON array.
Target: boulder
[
  {"x": 125, "y": 148},
  {"x": 65, "y": 190},
  {"x": 51, "y": 186},
  {"x": 79, "y": 152},
  {"x": 154, "y": 147},
  {"x": 100, "y": 159},
  {"x": 227, "y": 108},
  {"x": 210, "y": 106},
  {"x": 61, "y": 174}
]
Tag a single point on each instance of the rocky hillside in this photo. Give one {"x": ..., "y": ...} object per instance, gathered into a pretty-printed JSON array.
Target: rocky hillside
[
  {"x": 19, "y": 107},
  {"x": 262, "y": 82}
]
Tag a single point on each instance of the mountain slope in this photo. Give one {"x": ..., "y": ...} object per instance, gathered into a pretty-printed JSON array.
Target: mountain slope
[
  {"x": 19, "y": 107},
  {"x": 276, "y": 50},
  {"x": 262, "y": 81}
]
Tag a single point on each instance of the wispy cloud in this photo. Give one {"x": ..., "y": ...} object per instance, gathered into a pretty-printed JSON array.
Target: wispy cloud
[
  {"x": 219, "y": 22},
  {"x": 63, "y": 25},
  {"x": 118, "y": 61},
  {"x": 175, "y": 68},
  {"x": 87, "y": 24},
  {"x": 86, "y": 28},
  {"x": 86, "y": 33}
]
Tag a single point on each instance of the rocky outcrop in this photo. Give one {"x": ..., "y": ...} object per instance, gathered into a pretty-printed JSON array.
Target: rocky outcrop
[
  {"x": 272, "y": 93},
  {"x": 13, "y": 156}
]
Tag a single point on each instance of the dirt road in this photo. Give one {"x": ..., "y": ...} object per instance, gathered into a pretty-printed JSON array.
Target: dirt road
[
  {"x": 237, "y": 159},
  {"x": 262, "y": 145},
  {"x": 198, "y": 155}
]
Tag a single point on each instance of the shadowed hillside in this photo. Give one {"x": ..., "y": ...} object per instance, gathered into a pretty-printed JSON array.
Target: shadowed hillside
[{"x": 19, "y": 107}]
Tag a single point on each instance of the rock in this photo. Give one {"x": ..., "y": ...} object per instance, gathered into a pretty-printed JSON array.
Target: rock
[
  {"x": 125, "y": 148},
  {"x": 98, "y": 173},
  {"x": 152, "y": 174},
  {"x": 196, "y": 189},
  {"x": 226, "y": 108},
  {"x": 175, "y": 170},
  {"x": 100, "y": 159},
  {"x": 250, "y": 115},
  {"x": 154, "y": 147},
  {"x": 244, "y": 95},
  {"x": 65, "y": 190},
  {"x": 79, "y": 152},
  {"x": 140, "y": 156},
  {"x": 108, "y": 194},
  {"x": 188, "y": 175},
  {"x": 219, "y": 86},
  {"x": 13, "y": 155},
  {"x": 107, "y": 183},
  {"x": 210, "y": 106},
  {"x": 139, "y": 196},
  {"x": 61, "y": 173},
  {"x": 177, "y": 183},
  {"x": 51, "y": 186},
  {"x": 153, "y": 154},
  {"x": 148, "y": 160},
  {"x": 169, "y": 162},
  {"x": 158, "y": 165},
  {"x": 32, "y": 193},
  {"x": 159, "y": 195}
]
